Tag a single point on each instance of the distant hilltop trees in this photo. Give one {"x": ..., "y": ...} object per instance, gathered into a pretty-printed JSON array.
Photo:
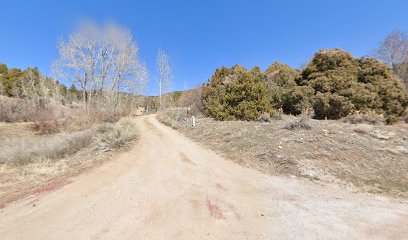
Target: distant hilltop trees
[{"x": 33, "y": 85}]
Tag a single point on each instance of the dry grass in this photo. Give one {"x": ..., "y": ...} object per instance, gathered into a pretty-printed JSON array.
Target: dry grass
[
  {"x": 28, "y": 160},
  {"x": 265, "y": 117},
  {"x": 20, "y": 110},
  {"x": 19, "y": 151},
  {"x": 116, "y": 136},
  {"x": 173, "y": 117},
  {"x": 15, "y": 110},
  {"x": 101, "y": 137},
  {"x": 368, "y": 118},
  {"x": 363, "y": 157},
  {"x": 12, "y": 130},
  {"x": 46, "y": 123},
  {"x": 39, "y": 143},
  {"x": 302, "y": 121},
  {"x": 298, "y": 123}
]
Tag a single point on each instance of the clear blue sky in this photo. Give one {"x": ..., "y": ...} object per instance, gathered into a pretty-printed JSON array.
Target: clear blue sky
[{"x": 201, "y": 36}]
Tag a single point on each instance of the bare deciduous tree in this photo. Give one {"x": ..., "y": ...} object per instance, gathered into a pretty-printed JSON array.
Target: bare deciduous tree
[
  {"x": 78, "y": 58},
  {"x": 401, "y": 70},
  {"x": 393, "y": 49},
  {"x": 44, "y": 91},
  {"x": 102, "y": 61},
  {"x": 36, "y": 88},
  {"x": 29, "y": 89},
  {"x": 165, "y": 75},
  {"x": 56, "y": 91},
  {"x": 305, "y": 63}
]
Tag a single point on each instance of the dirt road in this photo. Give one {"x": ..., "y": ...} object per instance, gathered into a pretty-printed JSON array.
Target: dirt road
[{"x": 168, "y": 187}]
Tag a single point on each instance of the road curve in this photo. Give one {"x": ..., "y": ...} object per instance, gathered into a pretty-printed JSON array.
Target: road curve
[{"x": 168, "y": 187}]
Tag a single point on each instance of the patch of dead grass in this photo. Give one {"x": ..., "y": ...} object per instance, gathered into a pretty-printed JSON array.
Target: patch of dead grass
[
  {"x": 366, "y": 157},
  {"x": 28, "y": 160},
  {"x": 102, "y": 137}
]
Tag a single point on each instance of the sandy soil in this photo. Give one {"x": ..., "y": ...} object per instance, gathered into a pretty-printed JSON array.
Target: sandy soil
[{"x": 168, "y": 187}]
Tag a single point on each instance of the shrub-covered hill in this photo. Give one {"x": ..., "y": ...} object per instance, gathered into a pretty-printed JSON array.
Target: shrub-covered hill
[
  {"x": 335, "y": 84},
  {"x": 343, "y": 84}
]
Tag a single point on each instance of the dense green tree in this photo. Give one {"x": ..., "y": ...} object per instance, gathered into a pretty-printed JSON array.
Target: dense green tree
[
  {"x": 343, "y": 84},
  {"x": 73, "y": 93},
  {"x": 283, "y": 90},
  {"x": 11, "y": 82},
  {"x": 331, "y": 105},
  {"x": 236, "y": 94},
  {"x": 73, "y": 89},
  {"x": 297, "y": 99},
  {"x": 258, "y": 74},
  {"x": 282, "y": 75},
  {"x": 3, "y": 73},
  {"x": 3, "y": 69}
]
